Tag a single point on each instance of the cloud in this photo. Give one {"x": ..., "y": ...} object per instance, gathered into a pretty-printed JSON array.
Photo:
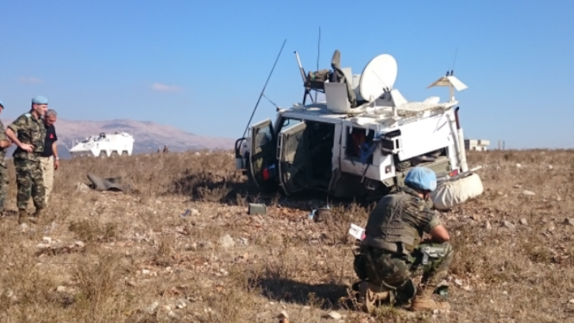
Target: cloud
[
  {"x": 30, "y": 80},
  {"x": 165, "y": 88}
]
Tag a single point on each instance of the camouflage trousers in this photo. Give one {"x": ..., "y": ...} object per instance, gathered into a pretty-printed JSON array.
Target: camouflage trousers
[
  {"x": 30, "y": 182},
  {"x": 432, "y": 260},
  {"x": 3, "y": 187}
]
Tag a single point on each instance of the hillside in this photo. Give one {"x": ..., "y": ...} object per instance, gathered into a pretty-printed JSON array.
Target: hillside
[
  {"x": 181, "y": 247},
  {"x": 149, "y": 136}
]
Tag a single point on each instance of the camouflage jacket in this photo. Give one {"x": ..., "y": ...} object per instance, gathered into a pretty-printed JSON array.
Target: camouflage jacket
[
  {"x": 3, "y": 150},
  {"x": 399, "y": 218},
  {"x": 29, "y": 130}
]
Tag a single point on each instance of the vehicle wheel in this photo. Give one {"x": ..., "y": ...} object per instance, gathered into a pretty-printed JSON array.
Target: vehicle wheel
[
  {"x": 103, "y": 154},
  {"x": 114, "y": 154},
  {"x": 125, "y": 153}
]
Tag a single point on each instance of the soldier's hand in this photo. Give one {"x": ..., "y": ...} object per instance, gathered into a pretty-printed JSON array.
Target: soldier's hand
[
  {"x": 27, "y": 147},
  {"x": 56, "y": 164}
]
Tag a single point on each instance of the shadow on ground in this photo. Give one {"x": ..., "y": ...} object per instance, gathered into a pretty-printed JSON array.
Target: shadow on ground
[
  {"x": 325, "y": 296},
  {"x": 234, "y": 188}
]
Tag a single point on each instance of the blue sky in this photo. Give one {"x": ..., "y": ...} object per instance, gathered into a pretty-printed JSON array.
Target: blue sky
[{"x": 184, "y": 63}]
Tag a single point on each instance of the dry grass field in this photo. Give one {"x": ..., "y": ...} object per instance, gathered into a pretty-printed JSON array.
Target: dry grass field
[{"x": 137, "y": 257}]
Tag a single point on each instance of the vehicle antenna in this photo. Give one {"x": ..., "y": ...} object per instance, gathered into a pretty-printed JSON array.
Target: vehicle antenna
[
  {"x": 318, "y": 53},
  {"x": 263, "y": 90},
  {"x": 268, "y": 99},
  {"x": 453, "y": 62}
]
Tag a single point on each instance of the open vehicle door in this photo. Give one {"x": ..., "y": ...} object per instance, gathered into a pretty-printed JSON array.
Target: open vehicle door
[
  {"x": 294, "y": 159},
  {"x": 262, "y": 158}
]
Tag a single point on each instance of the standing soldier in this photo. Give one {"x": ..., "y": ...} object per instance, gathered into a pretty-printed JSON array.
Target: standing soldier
[
  {"x": 28, "y": 133},
  {"x": 4, "y": 144}
]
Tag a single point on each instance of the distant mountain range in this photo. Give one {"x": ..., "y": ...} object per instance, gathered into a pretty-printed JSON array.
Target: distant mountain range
[{"x": 149, "y": 136}]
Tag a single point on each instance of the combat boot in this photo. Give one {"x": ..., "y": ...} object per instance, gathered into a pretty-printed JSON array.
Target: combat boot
[
  {"x": 22, "y": 216},
  {"x": 370, "y": 294},
  {"x": 36, "y": 216},
  {"x": 423, "y": 301}
]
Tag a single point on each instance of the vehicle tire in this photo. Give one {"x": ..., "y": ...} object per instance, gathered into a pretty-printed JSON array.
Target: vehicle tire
[
  {"x": 103, "y": 154},
  {"x": 125, "y": 153},
  {"x": 114, "y": 154}
]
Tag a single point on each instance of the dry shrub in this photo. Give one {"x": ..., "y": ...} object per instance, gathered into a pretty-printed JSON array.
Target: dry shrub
[{"x": 91, "y": 230}]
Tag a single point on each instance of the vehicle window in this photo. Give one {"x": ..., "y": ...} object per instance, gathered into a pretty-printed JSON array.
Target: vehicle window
[
  {"x": 288, "y": 123},
  {"x": 264, "y": 136}
]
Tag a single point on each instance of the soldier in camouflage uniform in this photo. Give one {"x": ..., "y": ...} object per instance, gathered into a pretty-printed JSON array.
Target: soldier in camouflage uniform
[
  {"x": 393, "y": 250},
  {"x": 28, "y": 133},
  {"x": 4, "y": 144}
]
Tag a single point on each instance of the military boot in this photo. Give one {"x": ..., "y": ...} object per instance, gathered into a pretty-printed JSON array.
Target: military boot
[
  {"x": 36, "y": 216},
  {"x": 370, "y": 294},
  {"x": 22, "y": 216},
  {"x": 423, "y": 301}
]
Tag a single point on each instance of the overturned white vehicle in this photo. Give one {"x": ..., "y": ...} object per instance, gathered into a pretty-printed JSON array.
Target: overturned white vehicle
[
  {"x": 104, "y": 145},
  {"x": 361, "y": 140}
]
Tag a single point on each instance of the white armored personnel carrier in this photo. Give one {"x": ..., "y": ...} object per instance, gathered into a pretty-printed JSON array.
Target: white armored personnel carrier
[
  {"x": 104, "y": 145},
  {"x": 361, "y": 140}
]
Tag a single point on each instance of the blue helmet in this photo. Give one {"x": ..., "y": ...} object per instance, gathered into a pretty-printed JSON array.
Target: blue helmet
[{"x": 421, "y": 178}]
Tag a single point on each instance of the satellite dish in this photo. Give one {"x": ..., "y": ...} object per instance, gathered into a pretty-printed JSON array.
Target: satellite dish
[{"x": 380, "y": 73}]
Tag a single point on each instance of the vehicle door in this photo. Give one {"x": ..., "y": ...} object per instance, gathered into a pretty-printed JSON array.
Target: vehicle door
[
  {"x": 294, "y": 163},
  {"x": 262, "y": 155}
]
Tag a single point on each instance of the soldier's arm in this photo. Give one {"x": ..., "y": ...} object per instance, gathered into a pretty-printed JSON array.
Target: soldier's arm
[
  {"x": 5, "y": 143},
  {"x": 432, "y": 225},
  {"x": 11, "y": 133},
  {"x": 12, "y": 136},
  {"x": 439, "y": 234},
  {"x": 56, "y": 158}
]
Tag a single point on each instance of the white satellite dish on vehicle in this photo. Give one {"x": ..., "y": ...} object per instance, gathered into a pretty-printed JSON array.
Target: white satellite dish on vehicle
[{"x": 379, "y": 74}]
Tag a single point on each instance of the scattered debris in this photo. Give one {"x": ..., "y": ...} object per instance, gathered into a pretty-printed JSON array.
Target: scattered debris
[
  {"x": 152, "y": 308},
  {"x": 334, "y": 315},
  {"x": 243, "y": 241},
  {"x": 226, "y": 241},
  {"x": 55, "y": 247},
  {"x": 82, "y": 187},
  {"x": 569, "y": 221},
  {"x": 509, "y": 225},
  {"x": 523, "y": 221},
  {"x": 528, "y": 193},
  {"x": 257, "y": 209},
  {"x": 108, "y": 184}
]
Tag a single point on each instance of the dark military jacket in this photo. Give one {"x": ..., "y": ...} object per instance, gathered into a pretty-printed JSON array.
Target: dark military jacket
[
  {"x": 29, "y": 130},
  {"x": 3, "y": 150},
  {"x": 398, "y": 222}
]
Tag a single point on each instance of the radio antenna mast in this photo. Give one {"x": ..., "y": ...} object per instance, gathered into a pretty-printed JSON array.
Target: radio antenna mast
[{"x": 263, "y": 90}]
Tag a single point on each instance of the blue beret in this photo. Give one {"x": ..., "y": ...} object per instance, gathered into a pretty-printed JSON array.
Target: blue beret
[
  {"x": 2, "y": 103},
  {"x": 421, "y": 178},
  {"x": 40, "y": 100}
]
